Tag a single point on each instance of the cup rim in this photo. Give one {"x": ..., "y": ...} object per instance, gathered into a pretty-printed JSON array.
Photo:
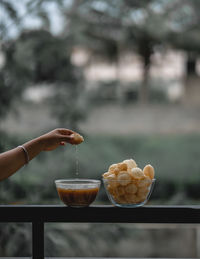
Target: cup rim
[
  {"x": 80, "y": 180},
  {"x": 110, "y": 180}
]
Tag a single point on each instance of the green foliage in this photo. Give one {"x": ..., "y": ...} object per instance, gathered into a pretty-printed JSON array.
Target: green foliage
[
  {"x": 9, "y": 16},
  {"x": 115, "y": 241},
  {"x": 191, "y": 188},
  {"x": 12, "y": 239},
  {"x": 37, "y": 57},
  {"x": 48, "y": 55}
]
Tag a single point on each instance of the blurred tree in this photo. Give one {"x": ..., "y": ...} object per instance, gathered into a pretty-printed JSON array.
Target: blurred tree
[
  {"x": 146, "y": 28},
  {"x": 96, "y": 26},
  {"x": 7, "y": 89},
  {"x": 37, "y": 57},
  {"x": 109, "y": 28},
  {"x": 185, "y": 33},
  {"x": 8, "y": 17}
]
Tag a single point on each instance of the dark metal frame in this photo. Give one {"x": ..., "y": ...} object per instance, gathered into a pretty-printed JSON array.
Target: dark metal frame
[{"x": 38, "y": 215}]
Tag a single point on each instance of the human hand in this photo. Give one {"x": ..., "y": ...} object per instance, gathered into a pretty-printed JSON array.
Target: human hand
[
  {"x": 14, "y": 159},
  {"x": 55, "y": 138}
]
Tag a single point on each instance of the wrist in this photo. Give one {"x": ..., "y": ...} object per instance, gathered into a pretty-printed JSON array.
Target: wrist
[
  {"x": 34, "y": 147},
  {"x": 41, "y": 143},
  {"x": 26, "y": 155}
]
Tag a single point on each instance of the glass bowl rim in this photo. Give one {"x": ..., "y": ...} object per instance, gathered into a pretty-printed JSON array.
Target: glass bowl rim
[
  {"x": 75, "y": 180},
  {"x": 110, "y": 180}
]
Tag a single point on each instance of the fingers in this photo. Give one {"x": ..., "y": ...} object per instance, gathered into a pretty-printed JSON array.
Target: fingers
[
  {"x": 64, "y": 131},
  {"x": 69, "y": 136},
  {"x": 66, "y": 138}
]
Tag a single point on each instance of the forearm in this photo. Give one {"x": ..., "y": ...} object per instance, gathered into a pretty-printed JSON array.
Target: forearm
[{"x": 13, "y": 160}]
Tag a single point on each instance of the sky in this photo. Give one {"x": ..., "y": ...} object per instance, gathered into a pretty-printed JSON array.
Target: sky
[{"x": 32, "y": 22}]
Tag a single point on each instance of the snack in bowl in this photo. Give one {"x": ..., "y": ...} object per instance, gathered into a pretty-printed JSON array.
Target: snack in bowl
[
  {"x": 77, "y": 192},
  {"x": 127, "y": 185}
]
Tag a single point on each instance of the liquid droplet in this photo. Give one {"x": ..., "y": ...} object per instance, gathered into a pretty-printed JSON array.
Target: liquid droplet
[{"x": 77, "y": 161}]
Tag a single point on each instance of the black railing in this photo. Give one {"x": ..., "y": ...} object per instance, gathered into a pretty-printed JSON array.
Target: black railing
[{"x": 39, "y": 215}]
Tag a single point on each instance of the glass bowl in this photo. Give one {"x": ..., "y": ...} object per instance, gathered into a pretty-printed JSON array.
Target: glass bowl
[
  {"x": 127, "y": 194},
  {"x": 77, "y": 192}
]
